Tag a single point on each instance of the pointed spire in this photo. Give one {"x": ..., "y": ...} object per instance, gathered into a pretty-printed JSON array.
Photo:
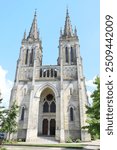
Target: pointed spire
[
  {"x": 68, "y": 27},
  {"x": 24, "y": 35},
  {"x": 34, "y": 29},
  {"x": 75, "y": 31},
  {"x": 60, "y": 32}
]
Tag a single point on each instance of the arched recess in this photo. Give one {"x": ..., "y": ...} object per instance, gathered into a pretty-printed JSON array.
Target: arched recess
[
  {"x": 44, "y": 86},
  {"x": 22, "y": 112},
  {"x": 47, "y": 109},
  {"x": 71, "y": 114},
  {"x": 26, "y": 57}
]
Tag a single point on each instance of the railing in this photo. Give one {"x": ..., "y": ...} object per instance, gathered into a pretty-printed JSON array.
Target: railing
[{"x": 49, "y": 71}]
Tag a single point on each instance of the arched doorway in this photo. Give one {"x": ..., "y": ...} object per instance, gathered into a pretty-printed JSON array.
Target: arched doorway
[
  {"x": 52, "y": 126},
  {"x": 45, "y": 127},
  {"x": 47, "y": 113}
]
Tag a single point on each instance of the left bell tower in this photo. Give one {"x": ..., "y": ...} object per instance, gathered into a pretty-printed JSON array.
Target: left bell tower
[{"x": 30, "y": 57}]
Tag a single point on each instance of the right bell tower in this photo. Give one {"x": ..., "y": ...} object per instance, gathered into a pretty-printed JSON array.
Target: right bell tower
[{"x": 71, "y": 74}]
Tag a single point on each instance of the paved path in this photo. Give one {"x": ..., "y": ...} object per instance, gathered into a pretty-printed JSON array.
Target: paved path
[
  {"x": 35, "y": 148},
  {"x": 93, "y": 145}
]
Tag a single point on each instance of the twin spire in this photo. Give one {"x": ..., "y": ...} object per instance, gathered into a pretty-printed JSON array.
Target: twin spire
[
  {"x": 68, "y": 32},
  {"x": 34, "y": 33},
  {"x": 68, "y": 27},
  {"x": 34, "y": 28}
]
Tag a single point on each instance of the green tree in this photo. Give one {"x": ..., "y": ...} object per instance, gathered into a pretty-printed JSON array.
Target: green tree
[
  {"x": 1, "y": 110},
  {"x": 9, "y": 124},
  {"x": 93, "y": 112}
]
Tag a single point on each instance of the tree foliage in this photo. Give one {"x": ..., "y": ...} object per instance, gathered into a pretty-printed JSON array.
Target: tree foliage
[
  {"x": 1, "y": 110},
  {"x": 93, "y": 112},
  {"x": 9, "y": 124}
]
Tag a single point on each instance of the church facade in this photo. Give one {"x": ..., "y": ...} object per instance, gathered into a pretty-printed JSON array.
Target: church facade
[{"x": 51, "y": 98}]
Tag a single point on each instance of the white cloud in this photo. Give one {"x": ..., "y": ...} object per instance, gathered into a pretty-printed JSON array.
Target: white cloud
[
  {"x": 89, "y": 98},
  {"x": 5, "y": 87},
  {"x": 90, "y": 88},
  {"x": 89, "y": 83}
]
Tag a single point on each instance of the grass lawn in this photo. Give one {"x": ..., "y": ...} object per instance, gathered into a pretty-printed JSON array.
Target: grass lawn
[{"x": 66, "y": 145}]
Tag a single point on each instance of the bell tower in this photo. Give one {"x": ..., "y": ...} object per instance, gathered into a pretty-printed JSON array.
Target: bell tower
[
  {"x": 30, "y": 56},
  {"x": 71, "y": 73},
  {"x": 68, "y": 39}
]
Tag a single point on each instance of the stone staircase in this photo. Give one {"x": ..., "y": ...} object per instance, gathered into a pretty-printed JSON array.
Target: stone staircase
[{"x": 43, "y": 140}]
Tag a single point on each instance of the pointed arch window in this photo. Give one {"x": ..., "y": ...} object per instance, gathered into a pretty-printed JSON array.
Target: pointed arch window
[
  {"x": 22, "y": 113},
  {"x": 71, "y": 114},
  {"x": 40, "y": 72},
  {"x": 53, "y": 107},
  {"x": 31, "y": 57},
  {"x": 47, "y": 73},
  {"x": 51, "y": 72},
  {"x": 66, "y": 54},
  {"x": 72, "y": 55},
  {"x": 46, "y": 107},
  {"x": 55, "y": 73},
  {"x": 26, "y": 59}
]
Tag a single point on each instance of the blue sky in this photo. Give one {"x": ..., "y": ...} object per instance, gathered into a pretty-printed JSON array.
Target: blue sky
[{"x": 16, "y": 16}]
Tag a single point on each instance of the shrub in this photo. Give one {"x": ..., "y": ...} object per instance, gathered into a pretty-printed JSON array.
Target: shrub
[
  {"x": 69, "y": 140},
  {"x": 3, "y": 148},
  {"x": 78, "y": 141}
]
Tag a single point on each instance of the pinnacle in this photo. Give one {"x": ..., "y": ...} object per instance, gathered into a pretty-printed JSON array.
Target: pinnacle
[
  {"x": 34, "y": 28},
  {"x": 68, "y": 27}
]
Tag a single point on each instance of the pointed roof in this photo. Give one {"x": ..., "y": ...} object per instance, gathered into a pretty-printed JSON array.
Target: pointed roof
[
  {"x": 24, "y": 38},
  {"x": 68, "y": 27},
  {"x": 34, "y": 28}
]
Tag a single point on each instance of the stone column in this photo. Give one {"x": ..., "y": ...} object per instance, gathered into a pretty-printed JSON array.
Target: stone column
[
  {"x": 62, "y": 134},
  {"x": 48, "y": 126},
  {"x": 81, "y": 95},
  {"x": 29, "y": 126}
]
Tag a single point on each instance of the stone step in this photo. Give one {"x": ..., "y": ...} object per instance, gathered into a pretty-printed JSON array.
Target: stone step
[{"x": 43, "y": 140}]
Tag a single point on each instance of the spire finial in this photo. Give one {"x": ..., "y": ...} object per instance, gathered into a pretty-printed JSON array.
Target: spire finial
[
  {"x": 67, "y": 11},
  {"x": 35, "y": 12},
  {"x": 25, "y": 34},
  {"x": 60, "y": 32},
  {"x": 75, "y": 31},
  {"x": 68, "y": 27},
  {"x": 34, "y": 29}
]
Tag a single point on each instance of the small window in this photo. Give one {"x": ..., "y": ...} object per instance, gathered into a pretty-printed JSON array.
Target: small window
[
  {"x": 53, "y": 107},
  {"x": 66, "y": 54},
  {"x": 55, "y": 73},
  {"x": 51, "y": 72},
  {"x": 31, "y": 57},
  {"x": 22, "y": 113},
  {"x": 71, "y": 114},
  {"x": 49, "y": 97},
  {"x": 47, "y": 73},
  {"x": 72, "y": 55},
  {"x": 26, "y": 59},
  {"x": 46, "y": 107},
  {"x": 40, "y": 72}
]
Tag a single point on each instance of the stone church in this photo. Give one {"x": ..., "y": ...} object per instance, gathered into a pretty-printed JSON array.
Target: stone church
[{"x": 52, "y": 98}]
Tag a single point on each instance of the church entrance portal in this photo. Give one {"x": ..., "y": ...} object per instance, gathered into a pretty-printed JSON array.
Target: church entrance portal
[
  {"x": 47, "y": 115},
  {"x": 49, "y": 130}
]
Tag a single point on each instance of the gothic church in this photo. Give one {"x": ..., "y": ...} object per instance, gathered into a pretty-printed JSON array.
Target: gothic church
[{"x": 52, "y": 98}]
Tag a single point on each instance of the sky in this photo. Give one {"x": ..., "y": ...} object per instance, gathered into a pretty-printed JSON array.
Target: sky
[{"x": 16, "y": 17}]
